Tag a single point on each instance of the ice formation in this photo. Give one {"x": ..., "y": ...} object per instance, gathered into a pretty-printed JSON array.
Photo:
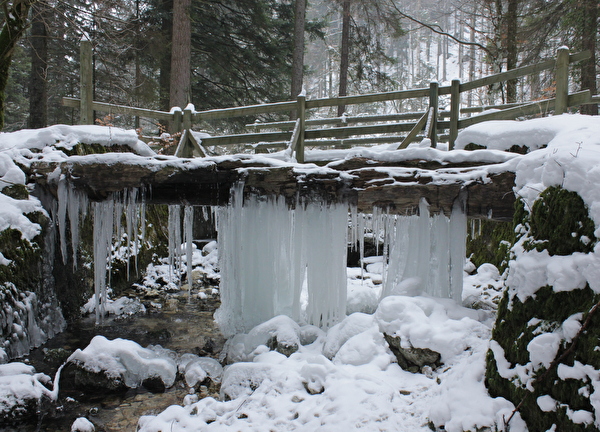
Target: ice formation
[
  {"x": 269, "y": 252},
  {"x": 275, "y": 260},
  {"x": 422, "y": 254}
]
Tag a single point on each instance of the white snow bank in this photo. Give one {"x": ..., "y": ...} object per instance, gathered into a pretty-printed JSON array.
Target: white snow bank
[
  {"x": 122, "y": 306},
  {"x": 535, "y": 133},
  {"x": 20, "y": 386},
  {"x": 127, "y": 360},
  {"x": 63, "y": 136},
  {"x": 361, "y": 387},
  {"x": 423, "y": 322}
]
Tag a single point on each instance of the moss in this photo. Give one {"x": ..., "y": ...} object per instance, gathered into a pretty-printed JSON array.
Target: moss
[
  {"x": 16, "y": 191},
  {"x": 473, "y": 146},
  {"x": 513, "y": 334},
  {"x": 560, "y": 223},
  {"x": 490, "y": 243},
  {"x": 554, "y": 217}
]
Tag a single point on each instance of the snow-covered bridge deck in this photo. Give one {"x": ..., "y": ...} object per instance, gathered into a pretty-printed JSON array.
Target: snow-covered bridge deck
[{"x": 483, "y": 181}]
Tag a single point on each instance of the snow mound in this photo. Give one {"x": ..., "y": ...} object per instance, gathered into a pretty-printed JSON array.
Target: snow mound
[
  {"x": 21, "y": 389},
  {"x": 66, "y": 137},
  {"x": 126, "y": 360},
  {"x": 423, "y": 322}
]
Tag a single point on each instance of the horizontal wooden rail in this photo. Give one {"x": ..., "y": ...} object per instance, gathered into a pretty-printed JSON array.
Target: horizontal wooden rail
[
  {"x": 119, "y": 109},
  {"x": 243, "y": 111},
  {"x": 519, "y": 72},
  {"x": 538, "y": 107},
  {"x": 248, "y": 138},
  {"x": 288, "y": 125},
  {"x": 368, "y": 98}
]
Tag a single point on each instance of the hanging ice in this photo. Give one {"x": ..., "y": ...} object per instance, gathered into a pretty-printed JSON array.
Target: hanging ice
[
  {"x": 426, "y": 254},
  {"x": 267, "y": 252}
]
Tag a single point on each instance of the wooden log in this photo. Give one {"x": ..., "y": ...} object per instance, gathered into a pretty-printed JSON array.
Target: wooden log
[{"x": 365, "y": 184}]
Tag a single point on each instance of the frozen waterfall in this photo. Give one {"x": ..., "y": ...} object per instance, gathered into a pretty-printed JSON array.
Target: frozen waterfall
[
  {"x": 271, "y": 257},
  {"x": 277, "y": 260}
]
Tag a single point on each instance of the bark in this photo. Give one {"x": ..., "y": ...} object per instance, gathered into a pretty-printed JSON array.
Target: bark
[
  {"x": 181, "y": 51},
  {"x": 298, "y": 54},
  {"x": 164, "y": 78},
  {"x": 38, "y": 88},
  {"x": 511, "y": 48},
  {"x": 15, "y": 24},
  {"x": 588, "y": 42},
  {"x": 344, "y": 53}
]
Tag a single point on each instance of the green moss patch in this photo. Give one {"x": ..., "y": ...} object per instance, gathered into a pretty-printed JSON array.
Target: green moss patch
[{"x": 560, "y": 223}]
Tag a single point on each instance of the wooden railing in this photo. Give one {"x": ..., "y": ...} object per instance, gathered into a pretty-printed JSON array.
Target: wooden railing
[{"x": 297, "y": 134}]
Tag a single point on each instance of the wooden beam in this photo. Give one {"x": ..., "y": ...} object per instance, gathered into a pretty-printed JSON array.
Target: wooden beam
[{"x": 366, "y": 184}]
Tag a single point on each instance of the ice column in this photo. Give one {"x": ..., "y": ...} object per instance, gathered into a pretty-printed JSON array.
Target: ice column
[
  {"x": 268, "y": 252},
  {"x": 73, "y": 204},
  {"x": 425, "y": 254}
]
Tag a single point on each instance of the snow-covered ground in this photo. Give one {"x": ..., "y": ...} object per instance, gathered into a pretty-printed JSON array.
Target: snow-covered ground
[{"x": 347, "y": 378}]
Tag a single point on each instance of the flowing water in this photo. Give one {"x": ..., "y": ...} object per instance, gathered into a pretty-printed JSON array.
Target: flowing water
[{"x": 180, "y": 323}]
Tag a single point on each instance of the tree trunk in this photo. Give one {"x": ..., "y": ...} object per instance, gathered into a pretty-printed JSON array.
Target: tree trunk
[
  {"x": 344, "y": 53},
  {"x": 511, "y": 48},
  {"x": 38, "y": 89},
  {"x": 164, "y": 78},
  {"x": 298, "y": 55},
  {"x": 15, "y": 23},
  {"x": 181, "y": 51},
  {"x": 588, "y": 42}
]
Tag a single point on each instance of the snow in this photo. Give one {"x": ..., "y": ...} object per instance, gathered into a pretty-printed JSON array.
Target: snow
[
  {"x": 20, "y": 385},
  {"x": 126, "y": 360},
  {"x": 343, "y": 375},
  {"x": 82, "y": 424}
]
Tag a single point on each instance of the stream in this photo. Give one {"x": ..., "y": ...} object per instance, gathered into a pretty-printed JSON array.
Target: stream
[{"x": 174, "y": 321}]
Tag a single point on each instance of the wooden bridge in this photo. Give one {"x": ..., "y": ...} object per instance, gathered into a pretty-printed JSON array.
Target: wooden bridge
[
  {"x": 483, "y": 188},
  {"x": 402, "y": 128}
]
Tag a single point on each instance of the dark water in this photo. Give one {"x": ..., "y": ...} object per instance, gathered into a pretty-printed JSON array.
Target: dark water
[{"x": 182, "y": 324}]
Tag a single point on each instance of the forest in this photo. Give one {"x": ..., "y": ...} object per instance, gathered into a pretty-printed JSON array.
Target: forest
[{"x": 158, "y": 54}]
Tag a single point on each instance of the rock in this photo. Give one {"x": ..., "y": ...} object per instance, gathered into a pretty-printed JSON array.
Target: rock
[
  {"x": 154, "y": 384},
  {"x": 412, "y": 359}
]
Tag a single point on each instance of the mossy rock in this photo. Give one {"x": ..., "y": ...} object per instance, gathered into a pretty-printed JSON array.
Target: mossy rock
[
  {"x": 513, "y": 334},
  {"x": 560, "y": 223},
  {"x": 16, "y": 191},
  {"x": 473, "y": 146}
]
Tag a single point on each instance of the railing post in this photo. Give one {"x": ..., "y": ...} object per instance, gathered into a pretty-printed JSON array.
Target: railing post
[
  {"x": 562, "y": 81},
  {"x": 187, "y": 118},
  {"x": 433, "y": 103},
  {"x": 86, "y": 83},
  {"x": 454, "y": 111},
  {"x": 177, "y": 121},
  {"x": 302, "y": 117}
]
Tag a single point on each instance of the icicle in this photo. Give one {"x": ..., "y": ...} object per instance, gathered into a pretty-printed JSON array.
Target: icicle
[
  {"x": 458, "y": 248},
  {"x": 103, "y": 229},
  {"x": 63, "y": 199},
  {"x": 267, "y": 252},
  {"x": 361, "y": 243},
  {"x": 188, "y": 223},
  {"x": 77, "y": 207},
  {"x": 174, "y": 241}
]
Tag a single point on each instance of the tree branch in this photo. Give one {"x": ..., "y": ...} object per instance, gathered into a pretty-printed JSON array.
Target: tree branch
[{"x": 440, "y": 31}]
